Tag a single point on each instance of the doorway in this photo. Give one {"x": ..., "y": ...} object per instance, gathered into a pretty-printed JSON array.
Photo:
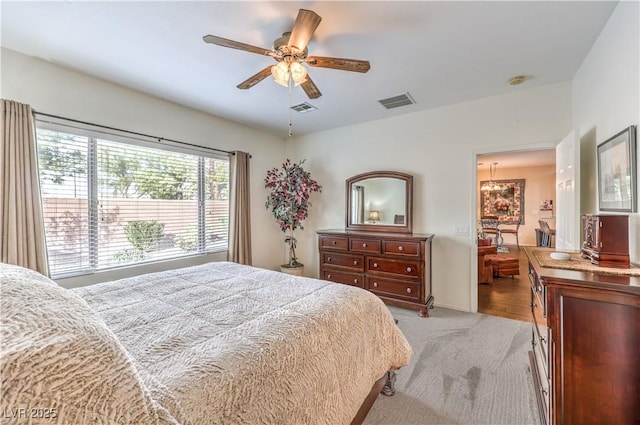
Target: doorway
[{"x": 507, "y": 294}]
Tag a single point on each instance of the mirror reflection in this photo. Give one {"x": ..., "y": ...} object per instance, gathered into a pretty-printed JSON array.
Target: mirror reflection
[{"x": 379, "y": 201}]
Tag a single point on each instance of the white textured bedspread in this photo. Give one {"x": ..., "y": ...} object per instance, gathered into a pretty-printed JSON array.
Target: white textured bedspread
[{"x": 224, "y": 343}]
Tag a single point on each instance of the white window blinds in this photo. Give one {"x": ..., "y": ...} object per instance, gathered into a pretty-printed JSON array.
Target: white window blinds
[{"x": 111, "y": 204}]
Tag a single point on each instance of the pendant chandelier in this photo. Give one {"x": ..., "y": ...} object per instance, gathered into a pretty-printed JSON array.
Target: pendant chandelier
[{"x": 491, "y": 185}]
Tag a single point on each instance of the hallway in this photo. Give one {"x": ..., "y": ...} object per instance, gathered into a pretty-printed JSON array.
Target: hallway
[{"x": 508, "y": 297}]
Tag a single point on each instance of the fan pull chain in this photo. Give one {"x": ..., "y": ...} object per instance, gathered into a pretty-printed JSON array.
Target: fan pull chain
[{"x": 290, "y": 125}]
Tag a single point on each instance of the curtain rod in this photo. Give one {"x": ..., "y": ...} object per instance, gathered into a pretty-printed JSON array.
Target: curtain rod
[{"x": 160, "y": 139}]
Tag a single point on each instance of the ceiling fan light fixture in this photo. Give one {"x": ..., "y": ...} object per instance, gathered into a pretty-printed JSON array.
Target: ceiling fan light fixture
[
  {"x": 298, "y": 73},
  {"x": 281, "y": 74},
  {"x": 291, "y": 52}
]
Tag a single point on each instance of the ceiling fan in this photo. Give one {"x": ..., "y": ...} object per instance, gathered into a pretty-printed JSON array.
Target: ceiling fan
[{"x": 290, "y": 51}]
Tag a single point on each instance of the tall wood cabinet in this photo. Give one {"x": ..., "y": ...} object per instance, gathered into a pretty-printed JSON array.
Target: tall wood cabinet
[
  {"x": 395, "y": 267},
  {"x": 585, "y": 355}
]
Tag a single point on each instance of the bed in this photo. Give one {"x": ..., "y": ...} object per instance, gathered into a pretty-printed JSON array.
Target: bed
[{"x": 219, "y": 343}]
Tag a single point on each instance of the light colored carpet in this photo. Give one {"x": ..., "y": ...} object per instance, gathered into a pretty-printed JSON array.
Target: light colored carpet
[{"x": 467, "y": 368}]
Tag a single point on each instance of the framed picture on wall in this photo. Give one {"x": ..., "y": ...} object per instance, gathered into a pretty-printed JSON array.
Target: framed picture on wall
[
  {"x": 617, "y": 174},
  {"x": 505, "y": 201}
]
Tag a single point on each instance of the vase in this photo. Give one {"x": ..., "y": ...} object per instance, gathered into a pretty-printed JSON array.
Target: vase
[{"x": 295, "y": 270}]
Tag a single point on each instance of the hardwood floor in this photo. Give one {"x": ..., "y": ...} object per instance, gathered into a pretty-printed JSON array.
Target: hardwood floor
[{"x": 505, "y": 296}]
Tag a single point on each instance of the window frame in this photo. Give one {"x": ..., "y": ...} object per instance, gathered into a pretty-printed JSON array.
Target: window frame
[{"x": 92, "y": 240}]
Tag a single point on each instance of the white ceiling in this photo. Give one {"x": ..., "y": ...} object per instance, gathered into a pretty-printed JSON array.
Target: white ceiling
[{"x": 440, "y": 52}]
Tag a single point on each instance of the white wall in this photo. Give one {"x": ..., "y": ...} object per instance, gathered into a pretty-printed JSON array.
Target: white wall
[
  {"x": 606, "y": 100},
  {"x": 56, "y": 90},
  {"x": 438, "y": 147}
]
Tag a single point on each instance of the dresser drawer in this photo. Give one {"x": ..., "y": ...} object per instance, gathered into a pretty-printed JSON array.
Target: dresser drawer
[
  {"x": 395, "y": 288},
  {"x": 355, "y": 262},
  {"x": 541, "y": 334},
  {"x": 371, "y": 246},
  {"x": 541, "y": 386},
  {"x": 408, "y": 249},
  {"x": 393, "y": 266},
  {"x": 400, "y": 268},
  {"x": 352, "y": 279},
  {"x": 334, "y": 242},
  {"x": 539, "y": 290}
]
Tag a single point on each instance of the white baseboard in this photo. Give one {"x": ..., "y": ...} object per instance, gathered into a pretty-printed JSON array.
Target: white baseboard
[{"x": 452, "y": 307}]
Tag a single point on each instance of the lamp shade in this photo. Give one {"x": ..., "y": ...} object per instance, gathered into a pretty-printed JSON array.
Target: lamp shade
[
  {"x": 298, "y": 73},
  {"x": 491, "y": 185},
  {"x": 280, "y": 73},
  {"x": 374, "y": 216}
]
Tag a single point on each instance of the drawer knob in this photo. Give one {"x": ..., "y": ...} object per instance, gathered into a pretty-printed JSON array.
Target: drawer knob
[
  {"x": 355, "y": 262},
  {"x": 409, "y": 269},
  {"x": 375, "y": 265},
  {"x": 543, "y": 339},
  {"x": 364, "y": 245},
  {"x": 375, "y": 284},
  {"x": 543, "y": 390},
  {"x": 400, "y": 248},
  {"x": 328, "y": 259},
  {"x": 335, "y": 242},
  {"x": 408, "y": 290},
  {"x": 329, "y": 276},
  {"x": 355, "y": 281}
]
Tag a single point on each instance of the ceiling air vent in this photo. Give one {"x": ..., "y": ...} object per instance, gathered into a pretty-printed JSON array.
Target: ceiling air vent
[
  {"x": 397, "y": 101},
  {"x": 303, "y": 108}
]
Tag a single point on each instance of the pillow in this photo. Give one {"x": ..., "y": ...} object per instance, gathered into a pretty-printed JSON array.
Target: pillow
[{"x": 60, "y": 364}]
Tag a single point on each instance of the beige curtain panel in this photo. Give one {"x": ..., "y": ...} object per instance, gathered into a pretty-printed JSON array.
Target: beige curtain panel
[
  {"x": 22, "y": 239},
  {"x": 239, "y": 210}
]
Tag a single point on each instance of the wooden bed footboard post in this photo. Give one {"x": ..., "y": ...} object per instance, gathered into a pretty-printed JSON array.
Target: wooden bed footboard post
[{"x": 389, "y": 388}]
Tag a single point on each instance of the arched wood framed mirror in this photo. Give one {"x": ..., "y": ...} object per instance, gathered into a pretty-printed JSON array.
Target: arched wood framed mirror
[{"x": 380, "y": 201}]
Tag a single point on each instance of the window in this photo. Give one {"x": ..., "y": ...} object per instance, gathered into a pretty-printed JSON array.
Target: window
[{"x": 111, "y": 204}]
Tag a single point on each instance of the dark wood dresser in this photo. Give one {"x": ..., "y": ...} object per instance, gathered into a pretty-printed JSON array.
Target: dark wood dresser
[
  {"x": 606, "y": 239},
  {"x": 585, "y": 356},
  {"x": 395, "y": 267}
]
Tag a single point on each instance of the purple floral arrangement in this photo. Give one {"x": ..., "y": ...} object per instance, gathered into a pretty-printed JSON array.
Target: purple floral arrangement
[{"x": 290, "y": 189}]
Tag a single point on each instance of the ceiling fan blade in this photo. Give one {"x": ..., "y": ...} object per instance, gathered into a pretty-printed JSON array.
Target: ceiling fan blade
[
  {"x": 354, "y": 65},
  {"x": 224, "y": 42},
  {"x": 310, "y": 88},
  {"x": 303, "y": 29},
  {"x": 255, "y": 79}
]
